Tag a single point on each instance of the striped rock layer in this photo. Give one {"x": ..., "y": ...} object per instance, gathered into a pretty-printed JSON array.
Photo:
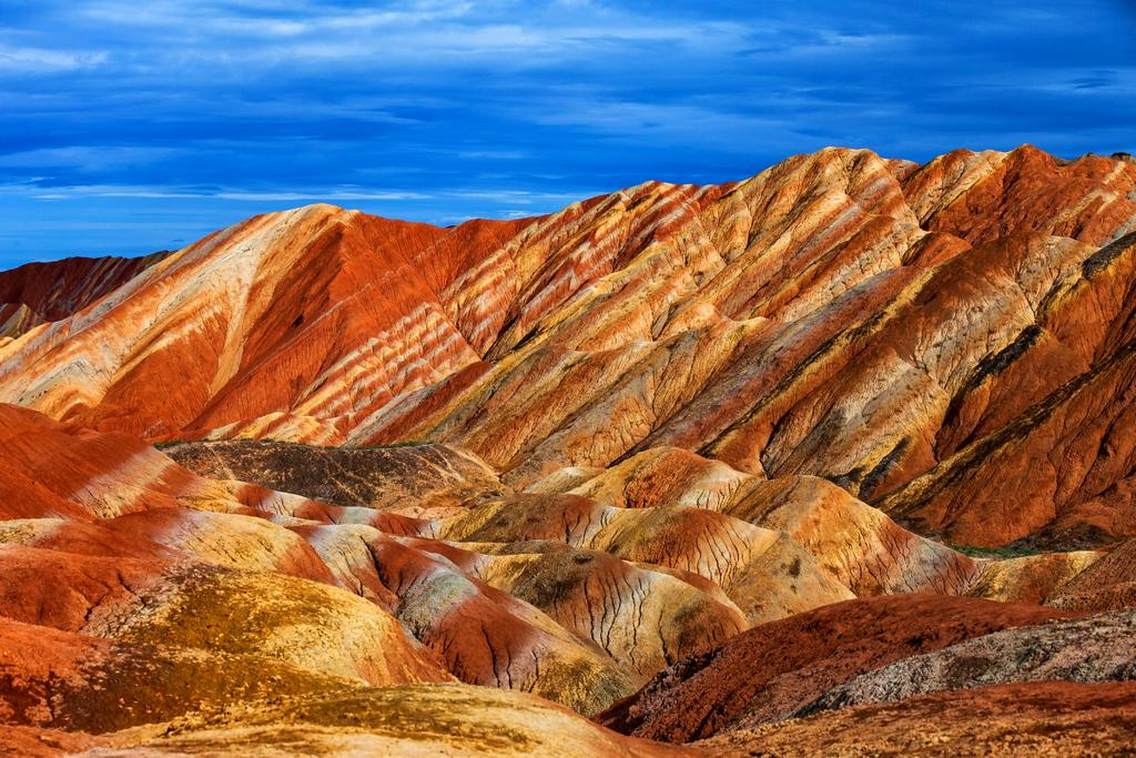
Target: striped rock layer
[
  {"x": 159, "y": 593},
  {"x": 596, "y": 459},
  {"x": 950, "y": 342}
]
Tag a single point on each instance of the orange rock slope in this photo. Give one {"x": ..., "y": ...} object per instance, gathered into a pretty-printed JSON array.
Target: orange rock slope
[
  {"x": 951, "y": 342},
  {"x": 594, "y": 458}
]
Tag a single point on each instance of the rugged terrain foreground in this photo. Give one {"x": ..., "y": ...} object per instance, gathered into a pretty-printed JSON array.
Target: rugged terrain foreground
[{"x": 839, "y": 459}]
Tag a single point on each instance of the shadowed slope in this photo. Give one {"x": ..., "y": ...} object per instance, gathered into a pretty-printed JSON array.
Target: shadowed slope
[{"x": 412, "y": 479}]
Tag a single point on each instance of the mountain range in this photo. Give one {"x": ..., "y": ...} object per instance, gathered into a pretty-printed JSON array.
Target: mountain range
[{"x": 839, "y": 457}]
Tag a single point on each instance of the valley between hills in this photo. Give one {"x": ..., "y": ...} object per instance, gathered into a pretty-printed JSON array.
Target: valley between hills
[{"x": 836, "y": 460}]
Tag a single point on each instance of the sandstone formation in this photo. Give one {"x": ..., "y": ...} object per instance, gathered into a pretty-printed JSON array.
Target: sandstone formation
[
  {"x": 1045, "y": 719},
  {"x": 1094, "y": 649},
  {"x": 420, "y": 720},
  {"x": 771, "y": 671},
  {"x": 1108, "y": 584},
  {"x": 855, "y": 544},
  {"x": 66, "y": 692},
  {"x": 72, "y": 682},
  {"x": 910, "y": 333},
  {"x": 228, "y": 566},
  {"x": 36, "y": 293},
  {"x": 410, "y": 480},
  {"x": 745, "y": 464},
  {"x": 644, "y": 616},
  {"x": 1039, "y": 578}
]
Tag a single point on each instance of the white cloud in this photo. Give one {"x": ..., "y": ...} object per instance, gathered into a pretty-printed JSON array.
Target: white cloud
[
  {"x": 522, "y": 197},
  {"x": 38, "y": 59},
  {"x": 425, "y": 34},
  {"x": 690, "y": 123},
  {"x": 267, "y": 18},
  {"x": 39, "y": 190},
  {"x": 333, "y": 194},
  {"x": 73, "y": 192},
  {"x": 492, "y": 155},
  {"x": 88, "y": 157}
]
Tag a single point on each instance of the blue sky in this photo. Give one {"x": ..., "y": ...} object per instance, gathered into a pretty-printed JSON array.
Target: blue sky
[{"x": 128, "y": 126}]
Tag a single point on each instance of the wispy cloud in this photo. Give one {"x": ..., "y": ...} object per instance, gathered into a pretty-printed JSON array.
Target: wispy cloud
[
  {"x": 41, "y": 191},
  {"x": 427, "y": 33},
  {"x": 45, "y": 60},
  {"x": 665, "y": 121},
  {"x": 167, "y": 192},
  {"x": 88, "y": 158},
  {"x": 270, "y": 19},
  {"x": 200, "y": 111}
]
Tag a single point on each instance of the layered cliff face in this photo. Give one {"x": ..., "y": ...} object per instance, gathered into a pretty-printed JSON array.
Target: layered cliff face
[{"x": 698, "y": 458}]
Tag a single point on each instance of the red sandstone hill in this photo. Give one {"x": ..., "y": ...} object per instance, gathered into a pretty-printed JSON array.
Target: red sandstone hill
[
  {"x": 39, "y": 292},
  {"x": 710, "y": 453},
  {"x": 946, "y": 341}
]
